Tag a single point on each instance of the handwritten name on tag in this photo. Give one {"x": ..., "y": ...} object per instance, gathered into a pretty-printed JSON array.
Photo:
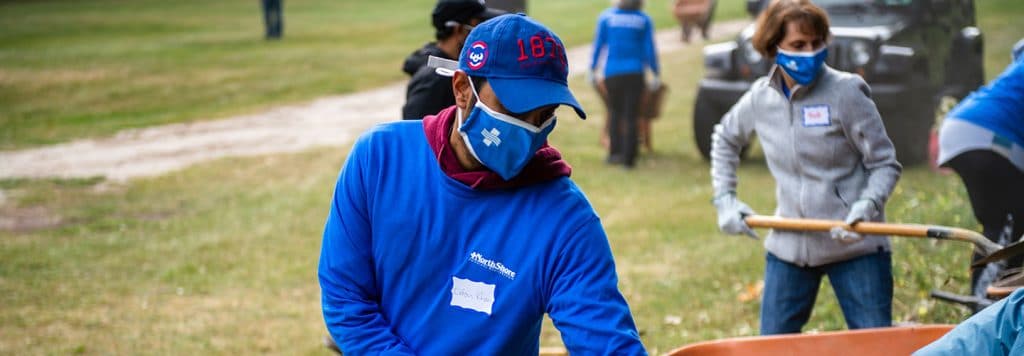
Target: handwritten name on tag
[
  {"x": 817, "y": 115},
  {"x": 472, "y": 295}
]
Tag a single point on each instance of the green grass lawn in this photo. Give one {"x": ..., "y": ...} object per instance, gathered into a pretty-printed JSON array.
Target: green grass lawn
[
  {"x": 72, "y": 69},
  {"x": 221, "y": 258}
]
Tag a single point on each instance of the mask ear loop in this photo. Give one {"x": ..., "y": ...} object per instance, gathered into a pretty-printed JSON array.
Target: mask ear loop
[
  {"x": 458, "y": 110},
  {"x": 458, "y": 119},
  {"x": 455, "y": 127},
  {"x": 473, "y": 88},
  {"x": 458, "y": 116},
  {"x": 477, "y": 95}
]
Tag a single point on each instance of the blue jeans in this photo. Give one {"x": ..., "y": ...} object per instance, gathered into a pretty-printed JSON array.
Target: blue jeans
[{"x": 863, "y": 286}]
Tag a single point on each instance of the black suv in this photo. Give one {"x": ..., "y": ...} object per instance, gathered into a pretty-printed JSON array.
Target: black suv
[{"x": 912, "y": 53}]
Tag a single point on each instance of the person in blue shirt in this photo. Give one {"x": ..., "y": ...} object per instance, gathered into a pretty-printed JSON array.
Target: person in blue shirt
[
  {"x": 996, "y": 330},
  {"x": 624, "y": 47},
  {"x": 454, "y": 235},
  {"x": 982, "y": 140}
]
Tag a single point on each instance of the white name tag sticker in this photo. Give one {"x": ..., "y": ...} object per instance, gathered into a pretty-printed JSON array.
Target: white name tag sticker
[
  {"x": 817, "y": 115},
  {"x": 472, "y": 295}
]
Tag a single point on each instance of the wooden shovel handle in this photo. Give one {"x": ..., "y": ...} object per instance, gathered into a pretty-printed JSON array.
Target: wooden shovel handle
[{"x": 876, "y": 228}]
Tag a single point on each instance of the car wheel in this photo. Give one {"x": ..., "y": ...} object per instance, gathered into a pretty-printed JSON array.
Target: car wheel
[
  {"x": 706, "y": 114},
  {"x": 910, "y": 133}
]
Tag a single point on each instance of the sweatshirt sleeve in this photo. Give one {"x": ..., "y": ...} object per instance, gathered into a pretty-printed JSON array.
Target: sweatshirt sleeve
[
  {"x": 349, "y": 296},
  {"x": 864, "y": 128},
  {"x": 652, "y": 47},
  {"x": 599, "y": 41},
  {"x": 727, "y": 142},
  {"x": 584, "y": 300},
  {"x": 996, "y": 330}
]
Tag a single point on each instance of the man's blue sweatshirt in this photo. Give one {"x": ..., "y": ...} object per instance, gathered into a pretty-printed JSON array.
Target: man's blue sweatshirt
[
  {"x": 998, "y": 106},
  {"x": 415, "y": 262},
  {"x": 624, "y": 42}
]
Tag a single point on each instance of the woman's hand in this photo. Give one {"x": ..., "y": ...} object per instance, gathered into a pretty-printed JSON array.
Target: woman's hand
[
  {"x": 864, "y": 209},
  {"x": 731, "y": 212}
]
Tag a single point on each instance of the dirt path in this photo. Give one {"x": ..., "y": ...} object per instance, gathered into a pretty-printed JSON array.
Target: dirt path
[{"x": 329, "y": 121}]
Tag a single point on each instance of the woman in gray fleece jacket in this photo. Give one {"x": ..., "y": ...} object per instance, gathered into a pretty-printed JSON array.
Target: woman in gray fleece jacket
[{"x": 826, "y": 146}]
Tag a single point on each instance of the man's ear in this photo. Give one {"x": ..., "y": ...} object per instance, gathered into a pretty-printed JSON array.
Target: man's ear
[{"x": 462, "y": 90}]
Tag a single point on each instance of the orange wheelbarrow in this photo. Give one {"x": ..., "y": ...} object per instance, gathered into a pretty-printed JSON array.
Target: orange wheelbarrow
[{"x": 862, "y": 342}]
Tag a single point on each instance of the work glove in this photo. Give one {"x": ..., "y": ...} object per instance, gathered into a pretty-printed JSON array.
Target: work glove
[
  {"x": 731, "y": 212},
  {"x": 864, "y": 209}
]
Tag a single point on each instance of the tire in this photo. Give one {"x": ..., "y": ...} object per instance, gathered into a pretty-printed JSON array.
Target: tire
[
  {"x": 705, "y": 116},
  {"x": 965, "y": 71},
  {"x": 910, "y": 132}
]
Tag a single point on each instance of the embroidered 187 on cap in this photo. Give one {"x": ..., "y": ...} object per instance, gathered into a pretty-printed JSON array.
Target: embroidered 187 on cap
[{"x": 523, "y": 61}]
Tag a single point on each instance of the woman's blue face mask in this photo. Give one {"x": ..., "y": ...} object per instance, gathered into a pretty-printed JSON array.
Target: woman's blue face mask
[
  {"x": 803, "y": 67},
  {"x": 501, "y": 142}
]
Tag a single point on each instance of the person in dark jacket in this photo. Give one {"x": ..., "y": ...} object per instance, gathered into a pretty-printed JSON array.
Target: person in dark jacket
[{"x": 428, "y": 93}]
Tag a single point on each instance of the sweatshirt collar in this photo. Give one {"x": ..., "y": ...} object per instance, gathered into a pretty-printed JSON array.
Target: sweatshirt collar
[
  {"x": 775, "y": 80},
  {"x": 546, "y": 164}
]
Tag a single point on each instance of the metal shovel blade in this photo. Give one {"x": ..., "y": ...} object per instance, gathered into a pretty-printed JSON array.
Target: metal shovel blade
[{"x": 1010, "y": 251}]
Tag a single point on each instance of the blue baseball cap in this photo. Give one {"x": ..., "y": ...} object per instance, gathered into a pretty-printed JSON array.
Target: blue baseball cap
[{"x": 523, "y": 61}]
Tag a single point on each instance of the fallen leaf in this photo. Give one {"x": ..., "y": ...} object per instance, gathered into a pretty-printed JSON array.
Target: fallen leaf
[{"x": 751, "y": 292}]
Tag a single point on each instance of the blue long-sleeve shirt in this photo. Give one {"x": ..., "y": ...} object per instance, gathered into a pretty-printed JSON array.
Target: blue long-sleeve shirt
[
  {"x": 414, "y": 261},
  {"x": 996, "y": 330},
  {"x": 624, "y": 42},
  {"x": 998, "y": 106}
]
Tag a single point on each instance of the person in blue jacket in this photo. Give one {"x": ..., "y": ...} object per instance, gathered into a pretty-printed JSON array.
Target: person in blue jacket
[
  {"x": 624, "y": 47},
  {"x": 996, "y": 330},
  {"x": 982, "y": 139},
  {"x": 454, "y": 235}
]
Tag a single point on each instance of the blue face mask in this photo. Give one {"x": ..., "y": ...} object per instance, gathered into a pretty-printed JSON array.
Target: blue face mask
[
  {"x": 501, "y": 142},
  {"x": 803, "y": 67}
]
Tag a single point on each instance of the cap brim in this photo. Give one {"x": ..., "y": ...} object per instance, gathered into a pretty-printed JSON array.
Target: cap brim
[
  {"x": 442, "y": 66},
  {"x": 521, "y": 95},
  {"x": 490, "y": 13}
]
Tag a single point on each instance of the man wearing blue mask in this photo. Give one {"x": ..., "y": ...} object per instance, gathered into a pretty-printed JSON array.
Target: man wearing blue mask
[
  {"x": 456, "y": 234},
  {"x": 827, "y": 149}
]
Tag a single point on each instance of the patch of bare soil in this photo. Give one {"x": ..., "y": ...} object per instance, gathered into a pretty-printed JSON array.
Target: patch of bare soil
[{"x": 29, "y": 219}]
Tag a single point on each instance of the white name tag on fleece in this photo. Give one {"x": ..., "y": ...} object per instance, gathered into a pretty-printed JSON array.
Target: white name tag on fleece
[
  {"x": 472, "y": 295},
  {"x": 816, "y": 115}
]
